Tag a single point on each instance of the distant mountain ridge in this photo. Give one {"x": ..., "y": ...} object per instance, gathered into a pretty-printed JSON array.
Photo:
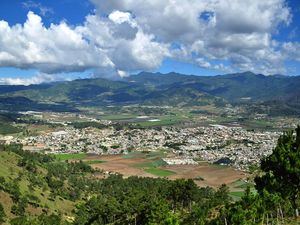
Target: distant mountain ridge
[
  {"x": 161, "y": 89},
  {"x": 232, "y": 87}
]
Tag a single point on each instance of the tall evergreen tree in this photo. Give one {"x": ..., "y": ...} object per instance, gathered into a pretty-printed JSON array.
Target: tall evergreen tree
[
  {"x": 282, "y": 169},
  {"x": 2, "y": 214}
]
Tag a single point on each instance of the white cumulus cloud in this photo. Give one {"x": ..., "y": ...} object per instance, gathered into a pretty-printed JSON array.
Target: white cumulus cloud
[
  {"x": 36, "y": 79},
  {"x": 123, "y": 36},
  {"x": 239, "y": 32}
]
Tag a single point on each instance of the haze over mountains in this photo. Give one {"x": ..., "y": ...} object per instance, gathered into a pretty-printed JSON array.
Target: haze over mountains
[{"x": 156, "y": 89}]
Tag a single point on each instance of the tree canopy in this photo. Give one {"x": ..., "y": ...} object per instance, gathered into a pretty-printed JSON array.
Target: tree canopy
[{"x": 282, "y": 169}]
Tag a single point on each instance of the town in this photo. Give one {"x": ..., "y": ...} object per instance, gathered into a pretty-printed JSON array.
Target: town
[{"x": 225, "y": 145}]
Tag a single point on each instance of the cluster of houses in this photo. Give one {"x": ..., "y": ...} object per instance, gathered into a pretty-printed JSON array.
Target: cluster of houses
[{"x": 210, "y": 143}]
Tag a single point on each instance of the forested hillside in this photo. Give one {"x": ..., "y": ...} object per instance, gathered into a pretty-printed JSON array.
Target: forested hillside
[{"x": 171, "y": 89}]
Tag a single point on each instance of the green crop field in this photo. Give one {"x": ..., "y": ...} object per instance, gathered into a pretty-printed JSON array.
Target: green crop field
[
  {"x": 118, "y": 117},
  {"x": 159, "y": 172},
  {"x": 152, "y": 164},
  {"x": 133, "y": 155},
  {"x": 164, "y": 121},
  {"x": 70, "y": 156}
]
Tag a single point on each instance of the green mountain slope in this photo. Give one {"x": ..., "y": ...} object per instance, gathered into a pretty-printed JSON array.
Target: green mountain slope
[
  {"x": 159, "y": 89},
  {"x": 23, "y": 187},
  {"x": 232, "y": 87},
  {"x": 97, "y": 92}
]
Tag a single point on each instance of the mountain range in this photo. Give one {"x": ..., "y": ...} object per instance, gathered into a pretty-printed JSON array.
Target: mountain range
[{"x": 157, "y": 89}]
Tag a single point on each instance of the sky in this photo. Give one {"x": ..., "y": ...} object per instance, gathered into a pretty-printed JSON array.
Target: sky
[{"x": 44, "y": 41}]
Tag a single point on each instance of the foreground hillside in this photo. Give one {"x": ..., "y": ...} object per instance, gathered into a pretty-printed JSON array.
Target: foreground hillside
[
  {"x": 24, "y": 189},
  {"x": 39, "y": 189},
  {"x": 257, "y": 91}
]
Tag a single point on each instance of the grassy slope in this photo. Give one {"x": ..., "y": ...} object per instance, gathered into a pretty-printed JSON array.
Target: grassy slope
[
  {"x": 10, "y": 170},
  {"x": 159, "y": 172}
]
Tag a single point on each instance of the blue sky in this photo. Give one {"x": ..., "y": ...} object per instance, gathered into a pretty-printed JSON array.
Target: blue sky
[{"x": 117, "y": 38}]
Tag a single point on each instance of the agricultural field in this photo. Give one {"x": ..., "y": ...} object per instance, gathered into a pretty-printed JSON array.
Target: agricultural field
[
  {"x": 150, "y": 164},
  {"x": 161, "y": 121},
  {"x": 159, "y": 172},
  {"x": 118, "y": 117}
]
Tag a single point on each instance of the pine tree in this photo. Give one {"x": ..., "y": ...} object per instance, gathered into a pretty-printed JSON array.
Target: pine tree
[
  {"x": 282, "y": 170},
  {"x": 2, "y": 214}
]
